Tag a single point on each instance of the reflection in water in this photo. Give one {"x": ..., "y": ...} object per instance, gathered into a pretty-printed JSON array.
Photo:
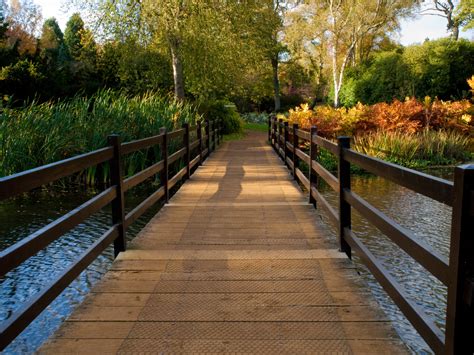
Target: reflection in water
[
  {"x": 21, "y": 216},
  {"x": 430, "y": 221}
]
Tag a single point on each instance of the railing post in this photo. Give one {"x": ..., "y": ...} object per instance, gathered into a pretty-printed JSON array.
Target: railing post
[
  {"x": 295, "y": 146},
  {"x": 344, "y": 169},
  {"x": 208, "y": 137},
  {"x": 313, "y": 153},
  {"x": 213, "y": 130},
  {"x": 199, "y": 137},
  {"x": 118, "y": 204},
  {"x": 280, "y": 133},
  {"x": 164, "y": 153},
  {"x": 460, "y": 307},
  {"x": 285, "y": 149},
  {"x": 188, "y": 153},
  {"x": 270, "y": 129},
  {"x": 218, "y": 132}
]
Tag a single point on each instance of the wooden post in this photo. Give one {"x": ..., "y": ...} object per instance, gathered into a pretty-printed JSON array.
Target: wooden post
[
  {"x": 313, "y": 153},
  {"x": 280, "y": 133},
  {"x": 344, "y": 170},
  {"x": 118, "y": 204},
  {"x": 270, "y": 128},
  {"x": 213, "y": 130},
  {"x": 296, "y": 143},
  {"x": 164, "y": 153},
  {"x": 208, "y": 139},
  {"x": 218, "y": 131},
  {"x": 188, "y": 152},
  {"x": 460, "y": 308},
  {"x": 285, "y": 149},
  {"x": 199, "y": 137}
]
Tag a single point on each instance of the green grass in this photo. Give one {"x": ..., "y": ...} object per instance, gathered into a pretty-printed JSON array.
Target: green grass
[
  {"x": 39, "y": 134},
  {"x": 257, "y": 127},
  {"x": 416, "y": 150}
]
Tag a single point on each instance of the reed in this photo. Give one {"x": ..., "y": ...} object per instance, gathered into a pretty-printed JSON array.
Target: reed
[
  {"x": 428, "y": 147},
  {"x": 39, "y": 134}
]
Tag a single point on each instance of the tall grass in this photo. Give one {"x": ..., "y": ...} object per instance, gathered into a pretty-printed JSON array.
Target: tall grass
[
  {"x": 416, "y": 150},
  {"x": 39, "y": 134}
]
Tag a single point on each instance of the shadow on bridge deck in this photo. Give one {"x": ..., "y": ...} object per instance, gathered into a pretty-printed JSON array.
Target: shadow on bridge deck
[{"x": 238, "y": 261}]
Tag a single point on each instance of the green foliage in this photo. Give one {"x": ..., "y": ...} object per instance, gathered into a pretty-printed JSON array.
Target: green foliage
[
  {"x": 21, "y": 79},
  {"x": 435, "y": 68},
  {"x": 222, "y": 110},
  {"x": 73, "y": 35},
  {"x": 39, "y": 134},
  {"x": 256, "y": 117}
]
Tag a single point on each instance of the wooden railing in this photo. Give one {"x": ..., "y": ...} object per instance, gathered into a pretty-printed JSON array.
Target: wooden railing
[
  {"x": 457, "y": 273},
  {"x": 14, "y": 185}
]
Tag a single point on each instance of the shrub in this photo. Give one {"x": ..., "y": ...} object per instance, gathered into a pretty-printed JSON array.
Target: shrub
[
  {"x": 255, "y": 117},
  {"x": 223, "y": 110}
]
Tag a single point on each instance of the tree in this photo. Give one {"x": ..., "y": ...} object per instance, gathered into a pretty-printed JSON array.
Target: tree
[
  {"x": 24, "y": 19},
  {"x": 465, "y": 14},
  {"x": 345, "y": 23},
  {"x": 446, "y": 10},
  {"x": 73, "y": 35}
]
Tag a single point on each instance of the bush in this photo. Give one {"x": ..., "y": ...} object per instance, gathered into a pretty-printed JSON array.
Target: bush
[
  {"x": 222, "y": 110},
  {"x": 255, "y": 117},
  {"x": 409, "y": 116},
  {"x": 435, "y": 68}
]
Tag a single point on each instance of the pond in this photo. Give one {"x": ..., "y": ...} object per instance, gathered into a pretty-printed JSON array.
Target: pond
[{"x": 19, "y": 217}]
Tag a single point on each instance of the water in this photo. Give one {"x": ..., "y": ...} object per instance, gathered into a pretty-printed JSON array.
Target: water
[
  {"x": 431, "y": 223},
  {"x": 20, "y": 217},
  {"x": 429, "y": 220}
]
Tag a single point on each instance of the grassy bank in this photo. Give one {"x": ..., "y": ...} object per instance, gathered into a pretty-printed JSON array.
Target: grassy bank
[{"x": 39, "y": 134}]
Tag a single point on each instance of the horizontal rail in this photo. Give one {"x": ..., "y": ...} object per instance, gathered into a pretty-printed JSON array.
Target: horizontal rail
[
  {"x": 147, "y": 173},
  {"x": 303, "y": 134},
  {"x": 438, "y": 189},
  {"x": 330, "y": 179},
  {"x": 20, "y": 319},
  {"x": 205, "y": 152},
  {"x": 193, "y": 162},
  {"x": 289, "y": 146},
  {"x": 176, "y": 155},
  {"x": 136, "y": 213},
  {"x": 27, "y": 180},
  {"x": 140, "y": 144},
  {"x": 29, "y": 246},
  {"x": 323, "y": 202},
  {"x": 177, "y": 177},
  {"x": 176, "y": 134},
  {"x": 326, "y": 144},
  {"x": 194, "y": 144},
  {"x": 420, "y": 320},
  {"x": 302, "y": 155},
  {"x": 303, "y": 179},
  {"x": 290, "y": 163},
  {"x": 405, "y": 239}
]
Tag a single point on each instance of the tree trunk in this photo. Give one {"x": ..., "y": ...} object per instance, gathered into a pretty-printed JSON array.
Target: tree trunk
[
  {"x": 276, "y": 83},
  {"x": 455, "y": 32},
  {"x": 177, "y": 70}
]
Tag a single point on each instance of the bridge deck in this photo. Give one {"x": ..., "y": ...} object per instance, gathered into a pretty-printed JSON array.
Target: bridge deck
[{"x": 238, "y": 261}]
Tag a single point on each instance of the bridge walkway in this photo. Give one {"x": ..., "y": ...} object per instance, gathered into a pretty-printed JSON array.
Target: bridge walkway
[{"x": 238, "y": 261}]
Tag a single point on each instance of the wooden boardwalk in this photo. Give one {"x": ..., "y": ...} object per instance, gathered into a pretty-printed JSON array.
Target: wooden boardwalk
[{"x": 239, "y": 262}]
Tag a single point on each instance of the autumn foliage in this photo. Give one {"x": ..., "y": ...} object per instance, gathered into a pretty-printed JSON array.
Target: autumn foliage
[{"x": 409, "y": 116}]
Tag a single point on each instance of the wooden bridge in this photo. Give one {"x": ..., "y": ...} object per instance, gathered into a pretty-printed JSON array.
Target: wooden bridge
[{"x": 238, "y": 259}]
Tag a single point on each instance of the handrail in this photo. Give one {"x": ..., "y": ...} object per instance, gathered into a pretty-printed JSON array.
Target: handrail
[
  {"x": 11, "y": 186},
  {"x": 30, "y": 179},
  {"x": 457, "y": 273}
]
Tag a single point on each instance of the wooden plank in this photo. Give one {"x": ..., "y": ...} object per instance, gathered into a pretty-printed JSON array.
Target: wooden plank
[{"x": 237, "y": 261}]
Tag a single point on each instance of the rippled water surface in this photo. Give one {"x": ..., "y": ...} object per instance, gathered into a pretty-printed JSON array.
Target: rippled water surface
[
  {"x": 19, "y": 217},
  {"x": 430, "y": 221}
]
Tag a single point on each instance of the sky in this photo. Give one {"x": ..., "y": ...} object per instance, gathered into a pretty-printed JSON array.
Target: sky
[{"x": 412, "y": 30}]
